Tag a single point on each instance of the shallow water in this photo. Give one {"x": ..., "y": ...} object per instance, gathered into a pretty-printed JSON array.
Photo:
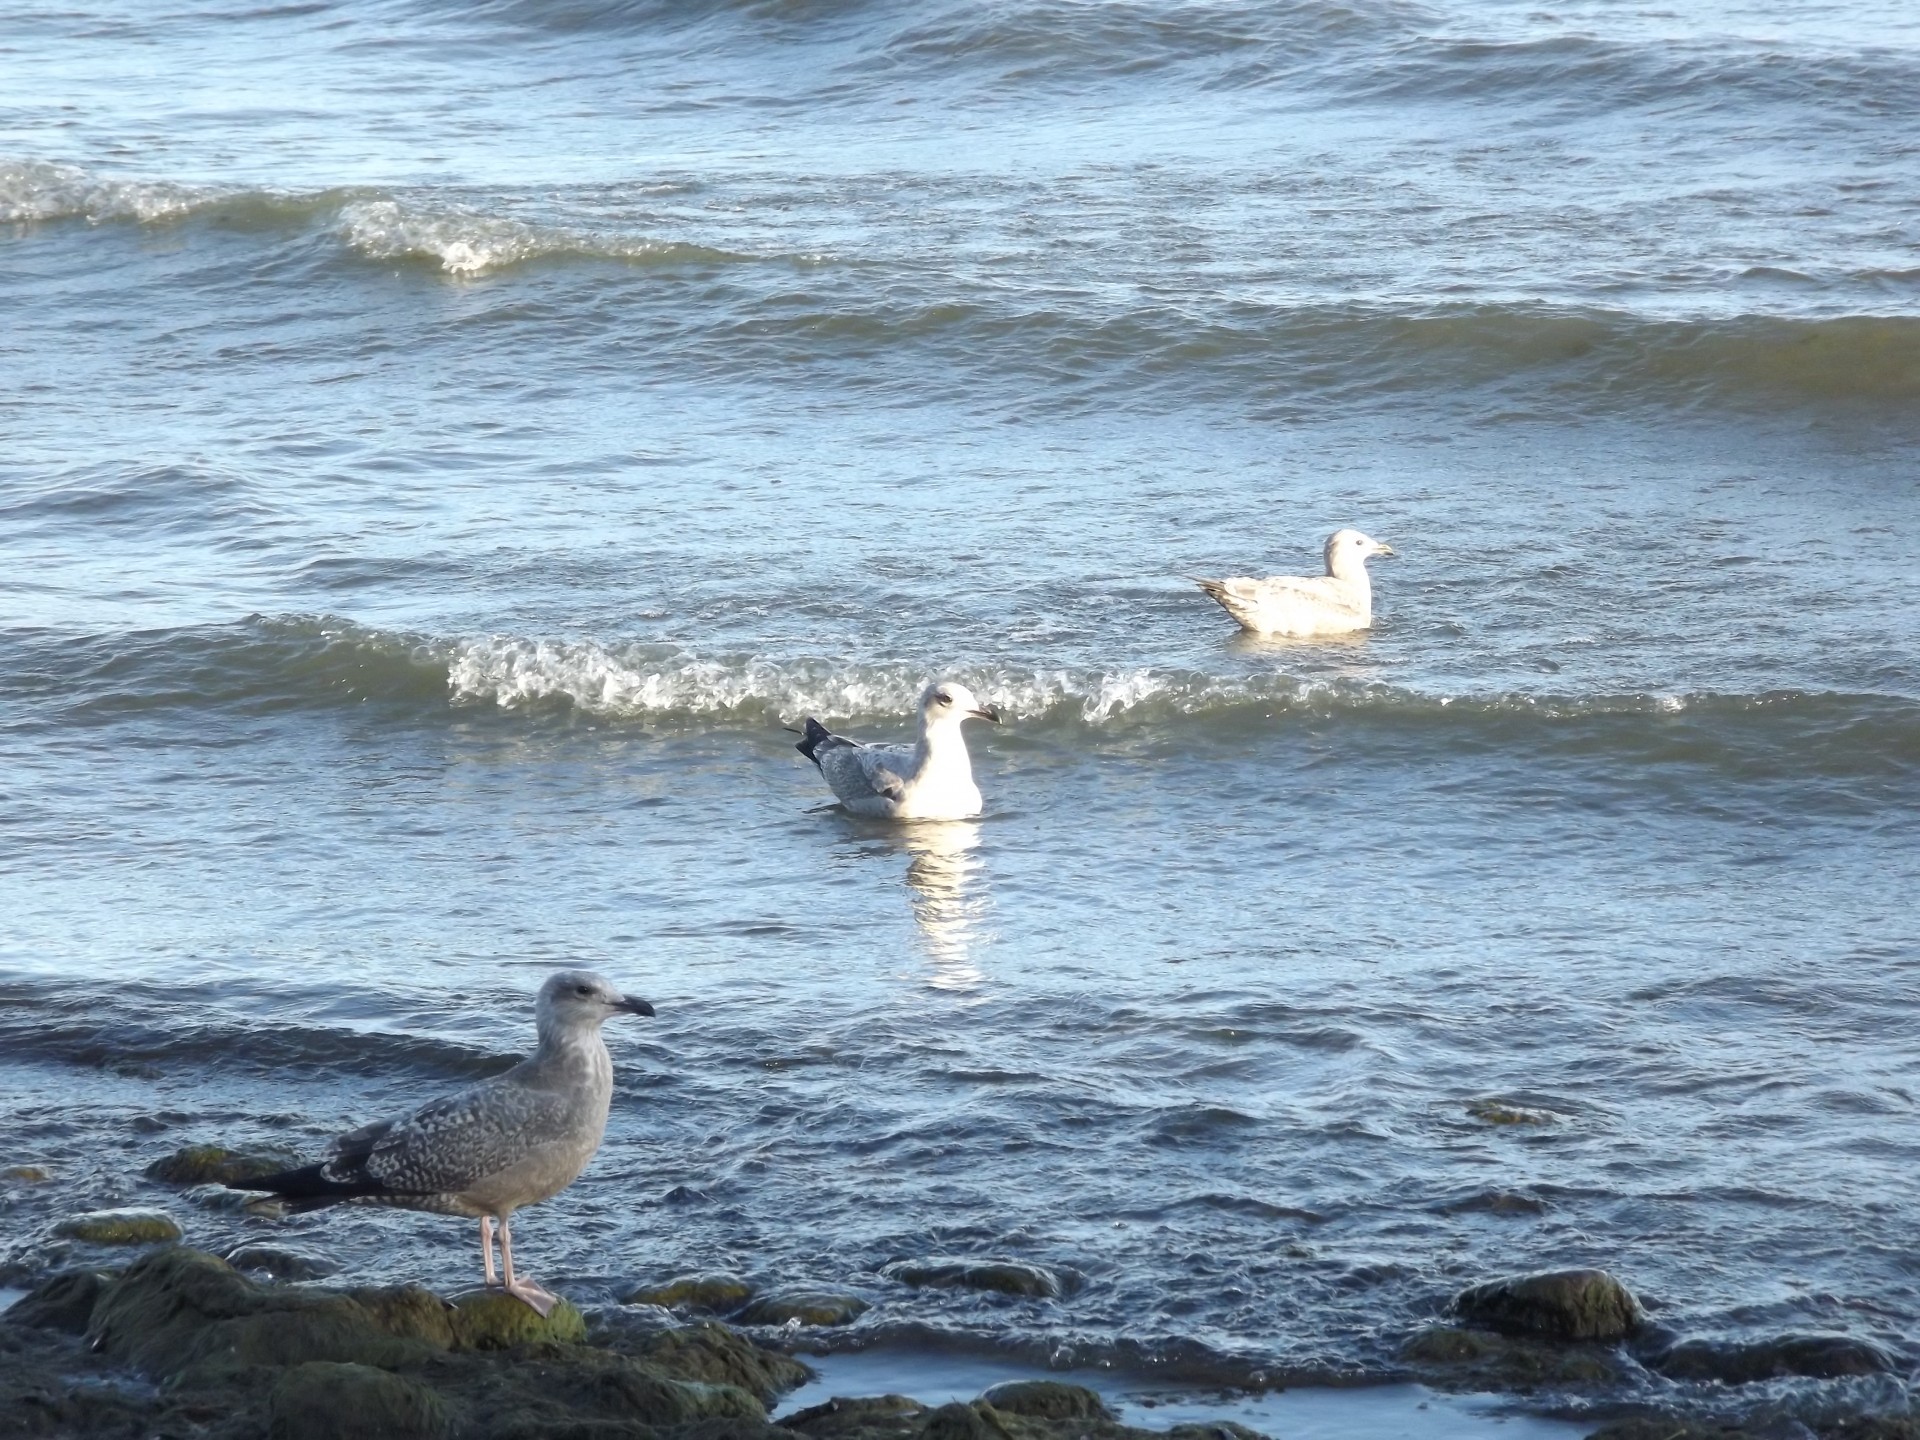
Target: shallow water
[{"x": 446, "y": 443}]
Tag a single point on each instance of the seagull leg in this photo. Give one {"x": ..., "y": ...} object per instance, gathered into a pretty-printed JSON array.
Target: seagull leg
[
  {"x": 540, "y": 1298},
  {"x": 486, "y": 1250}
]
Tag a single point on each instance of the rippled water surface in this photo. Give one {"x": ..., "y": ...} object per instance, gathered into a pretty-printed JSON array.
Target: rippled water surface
[{"x": 444, "y": 444}]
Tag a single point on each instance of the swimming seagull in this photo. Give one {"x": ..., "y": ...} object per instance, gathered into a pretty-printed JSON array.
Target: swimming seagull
[
  {"x": 494, "y": 1147},
  {"x": 1335, "y": 603},
  {"x": 929, "y": 780}
]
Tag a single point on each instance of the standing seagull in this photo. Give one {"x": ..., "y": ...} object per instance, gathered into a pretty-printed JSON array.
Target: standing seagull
[
  {"x": 1335, "y": 603},
  {"x": 929, "y": 780},
  {"x": 486, "y": 1151}
]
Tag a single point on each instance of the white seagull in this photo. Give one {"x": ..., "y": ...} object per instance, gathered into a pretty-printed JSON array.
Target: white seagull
[
  {"x": 929, "y": 780},
  {"x": 1335, "y": 603},
  {"x": 486, "y": 1151}
]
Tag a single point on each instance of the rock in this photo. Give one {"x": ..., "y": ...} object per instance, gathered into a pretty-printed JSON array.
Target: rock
[
  {"x": 1047, "y": 1400},
  {"x": 120, "y": 1227},
  {"x": 1007, "y": 1277},
  {"x": 325, "y": 1401},
  {"x": 280, "y": 1264},
  {"x": 718, "y": 1294},
  {"x": 63, "y": 1303},
  {"x": 411, "y": 1312},
  {"x": 1824, "y": 1357},
  {"x": 1555, "y": 1304},
  {"x": 1498, "y": 1112},
  {"x": 187, "y": 1318},
  {"x": 958, "y": 1421},
  {"x": 26, "y": 1175},
  {"x": 1483, "y": 1359},
  {"x": 495, "y": 1320},
  {"x": 711, "y": 1353},
  {"x": 1663, "y": 1427},
  {"x": 215, "y": 1165},
  {"x": 1495, "y": 1202},
  {"x": 840, "y": 1415},
  {"x": 808, "y": 1307}
]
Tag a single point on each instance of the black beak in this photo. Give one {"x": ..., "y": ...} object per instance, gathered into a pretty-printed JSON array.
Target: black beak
[
  {"x": 635, "y": 1007},
  {"x": 986, "y": 712}
]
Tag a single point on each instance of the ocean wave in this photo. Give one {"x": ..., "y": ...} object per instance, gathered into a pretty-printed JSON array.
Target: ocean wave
[
  {"x": 34, "y": 190},
  {"x": 292, "y": 663},
  {"x": 465, "y": 241}
]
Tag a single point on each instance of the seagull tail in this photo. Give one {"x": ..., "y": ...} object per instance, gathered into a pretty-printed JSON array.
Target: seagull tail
[
  {"x": 311, "y": 1188},
  {"x": 815, "y": 735}
]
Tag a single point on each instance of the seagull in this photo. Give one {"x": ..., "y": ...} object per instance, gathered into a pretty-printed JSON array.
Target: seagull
[
  {"x": 929, "y": 780},
  {"x": 1335, "y": 603},
  {"x": 494, "y": 1147}
]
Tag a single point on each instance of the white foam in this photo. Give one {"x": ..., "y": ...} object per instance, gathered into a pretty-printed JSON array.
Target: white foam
[
  {"x": 466, "y": 242},
  {"x": 33, "y": 190}
]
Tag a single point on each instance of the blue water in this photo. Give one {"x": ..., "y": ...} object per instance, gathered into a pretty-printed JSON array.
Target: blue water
[{"x": 446, "y": 443}]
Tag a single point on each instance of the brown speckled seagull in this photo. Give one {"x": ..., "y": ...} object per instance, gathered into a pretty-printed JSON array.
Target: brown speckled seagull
[{"x": 492, "y": 1148}]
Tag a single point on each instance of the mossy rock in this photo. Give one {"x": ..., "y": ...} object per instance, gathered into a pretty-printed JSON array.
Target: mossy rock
[
  {"x": 121, "y": 1227},
  {"x": 186, "y": 1317},
  {"x": 711, "y": 1353},
  {"x": 64, "y": 1302},
  {"x": 325, "y": 1401},
  {"x": 1484, "y": 1358},
  {"x": 495, "y": 1320},
  {"x": 716, "y": 1294},
  {"x": 842, "y": 1415},
  {"x": 1555, "y": 1305},
  {"x": 215, "y": 1165},
  {"x": 1047, "y": 1400},
  {"x": 808, "y": 1307},
  {"x": 410, "y": 1312},
  {"x": 26, "y": 1174},
  {"x": 1498, "y": 1112},
  {"x": 959, "y": 1421},
  {"x": 1005, "y": 1277}
]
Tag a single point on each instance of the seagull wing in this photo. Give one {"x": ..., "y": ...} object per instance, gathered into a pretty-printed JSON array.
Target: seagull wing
[
  {"x": 864, "y": 773},
  {"x": 452, "y": 1143}
]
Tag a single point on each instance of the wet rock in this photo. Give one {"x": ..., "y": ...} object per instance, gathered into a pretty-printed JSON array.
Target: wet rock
[
  {"x": 184, "y": 1317},
  {"x": 1499, "y": 1112},
  {"x": 1665, "y": 1427},
  {"x": 1047, "y": 1400},
  {"x": 1483, "y": 1359},
  {"x": 26, "y": 1175},
  {"x": 717, "y": 1294},
  {"x": 215, "y": 1165},
  {"x": 1824, "y": 1357},
  {"x": 1555, "y": 1305},
  {"x": 1495, "y": 1202},
  {"x": 63, "y": 1303},
  {"x": 808, "y": 1307},
  {"x": 325, "y": 1401},
  {"x": 1007, "y": 1277},
  {"x": 120, "y": 1227},
  {"x": 842, "y": 1416},
  {"x": 713, "y": 1354},
  {"x": 280, "y": 1264},
  {"x": 957, "y": 1420},
  {"x": 495, "y": 1320},
  {"x": 410, "y": 1312}
]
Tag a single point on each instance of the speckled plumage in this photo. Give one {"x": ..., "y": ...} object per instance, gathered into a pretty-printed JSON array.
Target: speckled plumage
[{"x": 494, "y": 1147}]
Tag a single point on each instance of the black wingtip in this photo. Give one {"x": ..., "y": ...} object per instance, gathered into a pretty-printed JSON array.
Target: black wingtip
[
  {"x": 815, "y": 733},
  {"x": 309, "y": 1188}
]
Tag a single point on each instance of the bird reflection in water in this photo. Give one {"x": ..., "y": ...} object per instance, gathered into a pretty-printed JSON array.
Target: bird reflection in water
[{"x": 943, "y": 875}]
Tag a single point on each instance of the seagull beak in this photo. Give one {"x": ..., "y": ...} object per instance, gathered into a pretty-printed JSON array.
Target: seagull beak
[
  {"x": 1382, "y": 548},
  {"x": 986, "y": 712},
  {"x": 634, "y": 1006}
]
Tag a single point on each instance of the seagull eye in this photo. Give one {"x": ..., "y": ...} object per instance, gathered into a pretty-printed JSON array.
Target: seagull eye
[
  {"x": 583, "y": 990},
  {"x": 944, "y": 699}
]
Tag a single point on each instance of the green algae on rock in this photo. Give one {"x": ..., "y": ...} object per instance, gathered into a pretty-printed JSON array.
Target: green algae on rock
[
  {"x": 281, "y": 1264},
  {"x": 132, "y": 1226},
  {"x": 322, "y": 1400},
  {"x": 1825, "y": 1357},
  {"x": 63, "y": 1302},
  {"x": 1455, "y": 1359},
  {"x": 808, "y": 1307},
  {"x": 1553, "y": 1304},
  {"x": 1047, "y": 1400},
  {"x": 1498, "y": 1112},
  {"x": 26, "y": 1174},
  {"x": 717, "y": 1294},
  {"x": 712, "y": 1353},
  {"x": 495, "y": 1320},
  {"x": 1006, "y": 1277},
  {"x": 215, "y": 1165}
]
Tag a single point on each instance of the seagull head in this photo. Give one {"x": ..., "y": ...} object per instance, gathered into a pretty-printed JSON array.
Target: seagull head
[
  {"x": 1348, "y": 551},
  {"x": 947, "y": 702},
  {"x": 580, "y": 999}
]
